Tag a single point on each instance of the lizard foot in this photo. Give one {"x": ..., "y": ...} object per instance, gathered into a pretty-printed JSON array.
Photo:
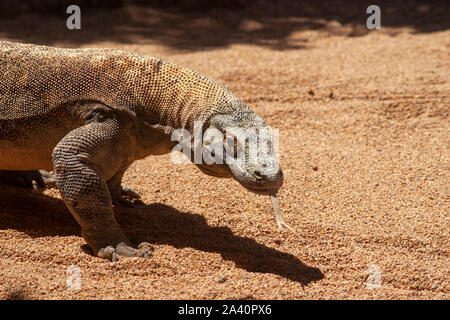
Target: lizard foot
[
  {"x": 128, "y": 199},
  {"x": 48, "y": 179},
  {"x": 144, "y": 250},
  {"x": 22, "y": 179},
  {"x": 28, "y": 179}
]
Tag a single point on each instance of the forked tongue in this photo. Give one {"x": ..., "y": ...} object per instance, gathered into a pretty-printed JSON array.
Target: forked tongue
[{"x": 276, "y": 209}]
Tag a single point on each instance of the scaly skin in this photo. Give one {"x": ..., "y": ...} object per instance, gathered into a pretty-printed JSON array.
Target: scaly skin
[{"x": 88, "y": 114}]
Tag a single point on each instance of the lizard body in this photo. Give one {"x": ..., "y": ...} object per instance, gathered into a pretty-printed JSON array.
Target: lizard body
[{"x": 88, "y": 114}]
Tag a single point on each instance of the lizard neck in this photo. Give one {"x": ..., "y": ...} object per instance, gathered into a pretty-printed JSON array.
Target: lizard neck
[{"x": 172, "y": 96}]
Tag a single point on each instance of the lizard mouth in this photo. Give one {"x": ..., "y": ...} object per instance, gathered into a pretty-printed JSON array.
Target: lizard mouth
[
  {"x": 264, "y": 189},
  {"x": 249, "y": 181},
  {"x": 253, "y": 183}
]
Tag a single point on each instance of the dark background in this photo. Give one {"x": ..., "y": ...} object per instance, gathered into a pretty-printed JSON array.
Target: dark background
[{"x": 428, "y": 15}]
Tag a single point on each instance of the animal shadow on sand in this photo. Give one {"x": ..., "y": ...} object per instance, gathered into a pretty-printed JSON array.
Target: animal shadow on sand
[{"x": 40, "y": 215}]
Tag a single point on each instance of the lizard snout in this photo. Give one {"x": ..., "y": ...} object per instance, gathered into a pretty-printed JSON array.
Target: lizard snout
[{"x": 268, "y": 179}]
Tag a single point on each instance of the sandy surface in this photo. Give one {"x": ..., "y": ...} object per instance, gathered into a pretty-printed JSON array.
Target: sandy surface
[{"x": 364, "y": 145}]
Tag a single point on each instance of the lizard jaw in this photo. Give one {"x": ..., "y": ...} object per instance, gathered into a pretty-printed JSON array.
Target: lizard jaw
[{"x": 253, "y": 183}]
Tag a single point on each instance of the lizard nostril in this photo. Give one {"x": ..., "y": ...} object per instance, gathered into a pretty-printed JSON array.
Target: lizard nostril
[{"x": 257, "y": 173}]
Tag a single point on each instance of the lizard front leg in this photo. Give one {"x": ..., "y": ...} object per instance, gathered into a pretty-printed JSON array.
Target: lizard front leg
[{"x": 83, "y": 161}]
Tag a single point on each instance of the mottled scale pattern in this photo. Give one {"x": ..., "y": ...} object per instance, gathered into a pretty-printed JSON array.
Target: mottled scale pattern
[
  {"x": 82, "y": 173},
  {"x": 168, "y": 94}
]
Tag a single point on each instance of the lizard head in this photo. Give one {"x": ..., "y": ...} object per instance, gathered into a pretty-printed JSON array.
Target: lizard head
[{"x": 246, "y": 146}]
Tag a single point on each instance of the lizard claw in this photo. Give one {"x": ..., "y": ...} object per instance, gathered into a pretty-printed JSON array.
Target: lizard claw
[
  {"x": 145, "y": 250},
  {"x": 122, "y": 249},
  {"x": 108, "y": 253},
  {"x": 48, "y": 179}
]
